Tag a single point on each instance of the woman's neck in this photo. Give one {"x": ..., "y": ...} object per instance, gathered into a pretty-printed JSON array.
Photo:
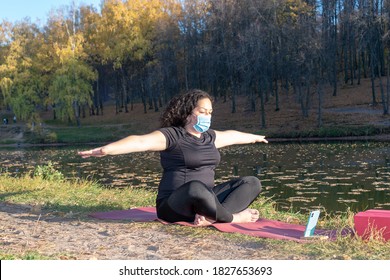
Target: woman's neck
[{"x": 192, "y": 131}]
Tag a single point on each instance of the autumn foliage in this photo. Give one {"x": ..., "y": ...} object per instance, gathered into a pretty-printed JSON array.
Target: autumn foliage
[{"x": 149, "y": 50}]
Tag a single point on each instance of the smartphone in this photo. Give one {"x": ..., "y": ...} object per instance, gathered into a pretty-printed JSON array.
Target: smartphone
[{"x": 311, "y": 223}]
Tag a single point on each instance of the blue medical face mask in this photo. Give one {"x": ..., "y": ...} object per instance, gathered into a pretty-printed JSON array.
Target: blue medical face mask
[{"x": 203, "y": 123}]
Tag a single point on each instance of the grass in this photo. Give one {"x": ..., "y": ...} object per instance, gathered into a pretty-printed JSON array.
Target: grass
[
  {"x": 76, "y": 196},
  {"x": 74, "y": 134},
  {"x": 7, "y": 142},
  {"x": 47, "y": 189},
  {"x": 332, "y": 131},
  {"x": 94, "y": 133},
  {"x": 86, "y": 134},
  {"x": 23, "y": 256}
]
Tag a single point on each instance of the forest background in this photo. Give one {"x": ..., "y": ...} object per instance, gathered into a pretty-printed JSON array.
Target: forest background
[
  {"x": 256, "y": 56},
  {"x": 285, "y": 68}
]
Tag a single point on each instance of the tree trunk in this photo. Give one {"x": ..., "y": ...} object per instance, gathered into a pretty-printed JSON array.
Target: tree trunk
[
  {"x": 374, "y": 103},
  {"x": 54, "y": 112},
  {"x": 76, "y": 110},
  {"x": 359, "y": 74},
  {"x": 304, "y": 100},
  {"x": 262, "y": 106},
  {"x": 388, "y": 85},
  {"x": 320, "y": 96},
  {"x": 124, "y": 90},
  {"x": 335, "y": 45},
  {"x": 276, "y": 95},
  {"x": 385, "y": 96}
]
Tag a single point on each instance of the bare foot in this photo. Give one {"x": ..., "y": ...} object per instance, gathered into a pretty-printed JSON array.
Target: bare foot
[
  {"x": 246, "y": 216},
  {"x": 202, "y": 221}
]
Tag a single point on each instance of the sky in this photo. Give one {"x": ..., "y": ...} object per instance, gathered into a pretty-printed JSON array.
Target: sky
[{"x": 16, "y": 10}]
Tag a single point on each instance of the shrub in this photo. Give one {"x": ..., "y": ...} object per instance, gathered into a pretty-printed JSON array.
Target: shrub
[{"x": 48, "y": 172}]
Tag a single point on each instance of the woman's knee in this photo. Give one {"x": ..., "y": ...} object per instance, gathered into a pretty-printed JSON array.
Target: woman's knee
[
  {"x": 252, "y": 182},
  {"x": 198, "y": 190}
]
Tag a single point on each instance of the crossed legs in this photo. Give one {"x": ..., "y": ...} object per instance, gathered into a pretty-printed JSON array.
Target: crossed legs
[{"x": 226, "y": 202}]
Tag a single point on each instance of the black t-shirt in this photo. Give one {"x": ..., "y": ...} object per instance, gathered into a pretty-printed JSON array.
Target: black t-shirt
[{"x": 187, "y": 158}]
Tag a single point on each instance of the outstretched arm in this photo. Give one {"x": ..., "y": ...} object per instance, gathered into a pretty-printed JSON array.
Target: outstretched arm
[
  {"x": 232, "y": 137},
  {"x": 154, "y": 141}
]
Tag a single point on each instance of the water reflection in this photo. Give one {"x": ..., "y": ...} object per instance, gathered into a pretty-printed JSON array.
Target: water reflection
[{"x": 298, "y": 177}]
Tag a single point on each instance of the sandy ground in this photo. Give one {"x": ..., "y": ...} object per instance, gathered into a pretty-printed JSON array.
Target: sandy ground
[{"x": 66, "y": 236}]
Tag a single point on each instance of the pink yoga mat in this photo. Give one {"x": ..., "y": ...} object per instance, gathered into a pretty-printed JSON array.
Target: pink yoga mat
[
  {"x": 141, "y": 214},
  {"x": 262, "y": 228}
]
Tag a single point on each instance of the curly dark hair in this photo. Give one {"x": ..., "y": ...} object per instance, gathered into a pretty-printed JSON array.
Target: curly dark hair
[{"x": 181, "y": 106}]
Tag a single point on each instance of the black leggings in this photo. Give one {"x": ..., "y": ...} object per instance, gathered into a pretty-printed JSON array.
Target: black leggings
[{"x": 218, "y": 204}]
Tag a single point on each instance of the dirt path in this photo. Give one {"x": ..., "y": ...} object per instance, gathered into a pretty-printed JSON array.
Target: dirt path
[{"x": 66, "y": 236}]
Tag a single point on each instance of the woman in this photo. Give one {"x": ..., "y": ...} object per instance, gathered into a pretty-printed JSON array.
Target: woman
[{"x": 189, "y": 155}]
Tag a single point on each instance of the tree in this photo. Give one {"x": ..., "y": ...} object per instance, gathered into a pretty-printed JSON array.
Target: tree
[
  {"x": 71, "y": 84},
  {"x": 167, "y": 51},
  {"x": 90, "y": 27},
  {"x": 127, "y": 34},
  {"x": 20, "y": 80}
]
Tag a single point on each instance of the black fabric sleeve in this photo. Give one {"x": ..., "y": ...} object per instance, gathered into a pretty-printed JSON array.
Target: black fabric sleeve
[
  {"x": 212, "y": 134},
  {"x": 172, "y": 135}
]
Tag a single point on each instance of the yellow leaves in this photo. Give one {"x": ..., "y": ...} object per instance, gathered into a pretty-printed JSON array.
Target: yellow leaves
[
  {"x": 68, "y": 43},
  {"x": 114, "y": 14},
  {"x": 291, "y": 10},
  {"x": 16, "y": 66},
  {"x": 5, "y": 85},
  {"x": 54, "y": 60},
  {"x": 71, "y": 85},
  {"x": 74, "y": 49},
  {"x": 26, "y": 62},
  {"x": 127, "y": 29}
]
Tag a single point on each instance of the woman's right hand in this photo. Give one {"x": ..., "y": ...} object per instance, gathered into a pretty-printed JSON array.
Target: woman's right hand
[{"x": 98, "y": 152}]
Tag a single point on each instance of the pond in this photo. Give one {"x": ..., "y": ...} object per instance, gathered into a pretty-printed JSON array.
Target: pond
[{"x": 298, "y": 177}]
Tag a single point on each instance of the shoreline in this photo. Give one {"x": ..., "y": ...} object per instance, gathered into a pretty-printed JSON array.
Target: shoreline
[{"x": 372, "y": 138}]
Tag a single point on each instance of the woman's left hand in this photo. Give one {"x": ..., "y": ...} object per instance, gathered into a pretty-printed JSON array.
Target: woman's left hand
[
  {"x": 260, "y": 138},
  {"x": 98, "y": 152},
  {"x": 233, "y": 137}
]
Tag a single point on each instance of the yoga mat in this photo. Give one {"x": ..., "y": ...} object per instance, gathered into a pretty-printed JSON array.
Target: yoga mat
[
  {"x": 261, "y": 228},
  {"x": 141, "y": 214}
]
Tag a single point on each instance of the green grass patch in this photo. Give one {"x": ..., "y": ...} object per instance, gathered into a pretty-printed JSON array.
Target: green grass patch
[
  {"x": 86, "y": 134},
  {"x": 23, "y": 256},
  {"x": 46, "y": 187},
  {"x": 7, "y": 142},
  {"x": 333, "y": 131},
  {"x": 341, "y": 131},
  {"x": 76, "y": 197}
]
